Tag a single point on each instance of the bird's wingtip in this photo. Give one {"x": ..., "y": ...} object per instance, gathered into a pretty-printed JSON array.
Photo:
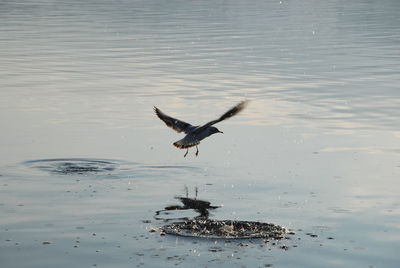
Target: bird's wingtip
[
  {"x": 157, "y": 111},
  {"x": 245, "y": 102}
]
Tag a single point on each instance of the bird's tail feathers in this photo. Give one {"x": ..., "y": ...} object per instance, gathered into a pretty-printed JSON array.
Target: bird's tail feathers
[{"x": 182, "y": 144}]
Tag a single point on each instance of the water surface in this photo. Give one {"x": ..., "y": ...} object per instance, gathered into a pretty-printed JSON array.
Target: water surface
[{"x": 85, "y": 164}]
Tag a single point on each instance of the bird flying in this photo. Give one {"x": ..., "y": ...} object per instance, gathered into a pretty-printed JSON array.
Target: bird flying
[{"x": 194, "y": 134}]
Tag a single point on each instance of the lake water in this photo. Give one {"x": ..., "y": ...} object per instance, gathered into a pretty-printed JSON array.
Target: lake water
[{"x": 85, "y": 164}]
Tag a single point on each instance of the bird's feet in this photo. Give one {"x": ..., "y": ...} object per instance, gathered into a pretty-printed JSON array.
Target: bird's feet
[
  {"x": 186, "y": 153},
  {"x": 197, "y": 151}
]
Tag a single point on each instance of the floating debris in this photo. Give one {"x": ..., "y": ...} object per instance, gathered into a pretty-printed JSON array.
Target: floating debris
[
  {"x": 215, "y": 249},
  {"x": 312, "y": 235},
  {"x": 225, "y": 229}
]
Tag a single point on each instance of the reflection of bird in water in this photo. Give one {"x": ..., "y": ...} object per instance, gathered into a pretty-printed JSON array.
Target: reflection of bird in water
[
  {"x": 194, "y": 134},
  {"x": 200, "y": 206}
]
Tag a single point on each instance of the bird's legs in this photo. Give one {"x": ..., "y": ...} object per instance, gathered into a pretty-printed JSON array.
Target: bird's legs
[
  {"x": 197, "y": 151},
  {"x": 187, "y": 150}
]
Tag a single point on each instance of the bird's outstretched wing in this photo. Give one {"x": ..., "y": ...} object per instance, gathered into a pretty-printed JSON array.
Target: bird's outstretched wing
[
  {"x": 173, "y": 123},
  {"x": 233, "y": 111}
]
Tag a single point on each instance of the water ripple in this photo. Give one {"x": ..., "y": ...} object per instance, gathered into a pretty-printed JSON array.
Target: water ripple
[{"x": 71, "y": 166}]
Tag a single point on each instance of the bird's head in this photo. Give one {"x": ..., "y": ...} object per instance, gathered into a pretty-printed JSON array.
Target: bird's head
[{"x": 214, "y": 130}]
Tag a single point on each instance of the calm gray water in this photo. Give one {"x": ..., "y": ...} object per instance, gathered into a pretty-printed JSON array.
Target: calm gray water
[{"x": 317, "y": 150}]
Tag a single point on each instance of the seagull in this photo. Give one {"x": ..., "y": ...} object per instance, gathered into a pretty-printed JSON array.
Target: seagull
[{"x": 194, "y": 134}]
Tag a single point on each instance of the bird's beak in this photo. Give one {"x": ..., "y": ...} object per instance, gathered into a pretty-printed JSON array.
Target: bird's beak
[{"x": 220, "y": 132}]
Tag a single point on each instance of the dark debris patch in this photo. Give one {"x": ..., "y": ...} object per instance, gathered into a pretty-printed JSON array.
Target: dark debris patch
[
  {"x": 284, "y": 247},
  {"x": 215, "y": 249},
  {"x": 225, "y": 229},
  {"x": 312, "y": 235}
]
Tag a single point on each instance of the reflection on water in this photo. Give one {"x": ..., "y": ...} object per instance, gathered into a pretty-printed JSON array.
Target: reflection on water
[
  {"x": 203, "y": 227},
  {"x": 200, "y": 206},
  {"x": 317, "y": 150}
]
